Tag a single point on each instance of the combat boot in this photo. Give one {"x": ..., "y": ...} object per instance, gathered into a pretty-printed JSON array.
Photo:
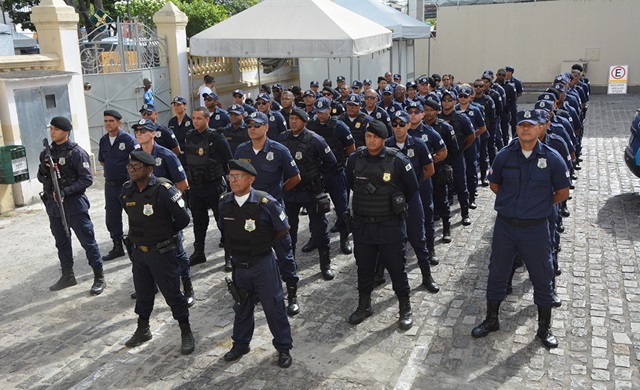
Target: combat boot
[
  {"x": 362, "y": 311},
  {"x": 378, "y": 279},
  {"x": 117, "y": 251},
  {"x": 464, "y": 211},
  {"x": 557, "y": 302},
  {"x": 198, "y": 256},
  {"x": 325, "y": 265},
  {"x": 491, "y": 323},
  {"x": 406, "y": 316},
  {"x": 98, "y": 282},
  {"x": 292, "y": 299},
  {"x": 188, "y": 342},
  {"x": 345, "y": 244},
  {"x": 67, "y": 279},
  {"x": 427, "y": 279},
  {"x": 310, "y": 246},
  {"x": 188, "y": 290},
  {"x": 544, "y": 328},
  {"x": 141, "y": 335},
  {"x": 446, "y": 230},
  {"x": 472, "y": 203},
  {"x": 432, "y": 251}
]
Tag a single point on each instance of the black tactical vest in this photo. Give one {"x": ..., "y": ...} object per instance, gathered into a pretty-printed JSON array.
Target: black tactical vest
[
  {"x": 245, "y": 236},
  {"x": 299, "y": 148},
  {"x": 373, "y": 188},
  {"x": 328, "y": 132},
  {"x": 202, "y": 166},
  {"x": 235, "y": 137},
  {"x": 62, "y": 157},
  {"x": 445, "y": 132},
  {"x": 357, "y": 127},
  {"x": 149, "y": 224},
  {"x": 455, "y": 121}
]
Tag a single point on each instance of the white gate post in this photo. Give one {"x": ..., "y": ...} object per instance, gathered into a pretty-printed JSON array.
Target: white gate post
[{"x": 172, "y": 24}]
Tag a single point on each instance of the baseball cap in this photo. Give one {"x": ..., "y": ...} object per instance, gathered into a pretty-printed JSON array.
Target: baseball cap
[
  {"x": 257, "y": 117},
  {"x": 322, "y": 105},
  {"x": 531, "y": 116}
]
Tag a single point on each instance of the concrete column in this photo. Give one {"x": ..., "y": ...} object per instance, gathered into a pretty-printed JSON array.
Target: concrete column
[{"x": 172, "y": 25}]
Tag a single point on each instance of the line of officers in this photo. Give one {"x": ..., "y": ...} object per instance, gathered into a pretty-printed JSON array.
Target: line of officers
[{"x": 399, "y": 160}]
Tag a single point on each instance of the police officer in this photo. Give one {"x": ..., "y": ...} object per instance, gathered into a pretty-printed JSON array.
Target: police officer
[
  {"x": 310, "y": 152},
  {"x": 288, "y": 102},
  {"x": 181, "y": 123},
  {"x": 113, "y": 155},
  {"x": 236, "y": 131},
  {"x": 278, "y": 173},
  {"x": 75, "y": 177},
  {"x": 388, "y": 103},
  {"x": 238, "y": 98},
  {"x": 510, "y": 104},
  {"x": 277, "y": 124},
  {"x": 517, "y": 85},
  {"x": 528, "y": 178},
  {"x": 157, "y": 213},
  {"x": 164, "y": 136},
  {"x": 383, "y": 184},
  {"x": 207, "y": 153},
  {"x": 217, "y": 117},
  {"x": 309, "y": 98},
  {"x": 371, "y": 108},
  {"x": 251, "y": 220},
  {"x": 487, "y": 144},
  {"x": 355, "y": 119}
]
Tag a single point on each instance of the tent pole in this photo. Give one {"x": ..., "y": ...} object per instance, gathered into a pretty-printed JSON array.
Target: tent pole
[
  {"x": 328, "y": 69},
  {"x": 259, "y": 82},
  {"x": 350, "y": 69},
  {"x": 400, "y": 56}
]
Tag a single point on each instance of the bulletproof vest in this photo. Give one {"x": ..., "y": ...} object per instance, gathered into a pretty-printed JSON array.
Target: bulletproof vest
[
  {"x": 373, "y": 188},
  {"x": 328, "y": 132},
  {"x": 148, "y": 223},
  {"x": 202, "y": 166},
  {"x": 357, "y": 127},
  {"x": 245, "y": 235},
  {"x": 62, "y": 157},
  {"x": 455, "y": 121},
  {"x": 445, "y": 132},
  {"x": 299, "y": 148},
  {"x": 235, "y": 137}
]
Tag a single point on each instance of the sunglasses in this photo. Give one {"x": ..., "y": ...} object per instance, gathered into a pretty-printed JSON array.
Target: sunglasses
[
  {"x": 501, "y": 74},
  {"x": 447, "y": 100},
  {"x": 327, "y": 94},
  {"x": 370, "y": 97},
  {"x": 262, "y": 103},
  {"x": 147, "y": 113},
  {"x": 208, "y": 99},
  {"x": 141, "y": 130},
  {"x": 478, "y": 86},
  {"x": 414, "y": 112},
  {"x": 463, "y": 96},
  {"x": 255, "y": 125},
  {"x": 396, "y": 124}
]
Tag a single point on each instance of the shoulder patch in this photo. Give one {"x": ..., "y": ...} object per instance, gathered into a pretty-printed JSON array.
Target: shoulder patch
[
  {"x": 265, "y": 200},
  {"x": 407, "y": 167},
  {"x": 167, "y": 185}
]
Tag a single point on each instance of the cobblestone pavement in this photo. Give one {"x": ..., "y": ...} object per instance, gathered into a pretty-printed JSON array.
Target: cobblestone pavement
[{"x": 69, "y": 339}]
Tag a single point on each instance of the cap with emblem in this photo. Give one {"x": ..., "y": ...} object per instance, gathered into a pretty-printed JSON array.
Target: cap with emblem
[
  {"x": 415, "y": 104},
  {"x": 145, "y": 124},
  {"x": 113, "y": 113},
  {"x": 179, "y": 99},
  {"x": 322, "y": 105},
  {"x": 237, "y": 92},
  {"x": 308, "y": 92},
  {"x": 353, "y": 99},
  {"x": 436, "y": 77},
  {"x": 411, "y": 84},
  {"x": 400, "y": 114},
  {"x": 241, "y": 165},
  {"x": 378, "y": 128},
  {"x": 300, "y": 113},
  {"x": 387, "y": 90},
  {"x": 546, "y": 105},
  {"x": 257, "y": 117},
  {"x": 562, "y": 78},
  {"x": 340, "y": 78},
  {"x": 367, "y": 81},
  {"x": 148, "y": 107},
  {"x": 236, "y": 109},
  {"x": 314, "y": 83},
  {"x": 143, "y": 157},
  {"x": 451, "y": 93},
  {"x": 547, "y": 96},
  {"x": 210, "y": 95},
  {"x": 487, "y": 74},
  {"x": 264, "y": 96},
  {"x": 466, "y": 90},
  {"x": 356, "y": 84},
  {"x": 396, "y": 76},
  {"x": 61, "y": 123},
  {"x": 544, "y": 116},
  {"x": 423, "y": 80},
  {"x": 509, "y": 69},
  {"x": 277, "y": 86},
  {"x": 532, "y": 117}
]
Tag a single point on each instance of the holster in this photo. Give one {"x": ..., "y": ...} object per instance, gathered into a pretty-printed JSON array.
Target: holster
[
  {"x": 238, "y": 295},
  {"x": 321, "y": 202}
]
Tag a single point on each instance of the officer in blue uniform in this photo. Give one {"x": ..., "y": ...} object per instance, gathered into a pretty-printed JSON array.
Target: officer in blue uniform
[
  {"x": 156, "y": 213},
  {"x": 496, "y": 94},
  {"x": 388, "y": 103},
  {"x": 251, "y": 220},
  {"x": 310, "y": 152},
  {"x": 487, "y": 142},
  {"x": 164, "y": 136},
  {"x": 277, "y": 123},
  {"x": 236, "y": 131},
  {"x": 517, "y": 85},
  {"x": 278, "y": 173},
  {"x": 356, "y": 88},
  {"x": 113, "y": 155},
  {"x": 528, "y": 178},
  {"x": 385, "y": 189},
  {"x": 181, "y": 123},
  {"x": 238, "y": 98},
  {"x": 371, "y": 108},
  {"x": 207, "y": 153},
  {"x": 510, "y": 104},
  {"x": 217, "y": 117},
  {"x": 355, "y": 119},
  {"x": 75, "y": 177}
]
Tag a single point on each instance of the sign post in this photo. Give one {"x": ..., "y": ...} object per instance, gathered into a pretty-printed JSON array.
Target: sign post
[{"x": 618, "y": 77}]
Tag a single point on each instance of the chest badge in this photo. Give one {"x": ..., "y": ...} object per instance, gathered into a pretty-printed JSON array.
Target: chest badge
[
  {"x": 187, "y": 123},
  {"x": 425, "y": 137},
  {"x": 158, "y": 134},
  {"x": 298, "y": 155},
  {"x": 386, "y": 177},
  {"x": 158, "y": 161},
  {"x": 542, "y": 163},
  {"x": 378, "y": 115},
  {"x": 62, "y": 161},
  {"x": 121, "y": 146},
  {"x": 270, "y": 156},
  {"x": 250, "y": 225},
  {"x": 410, "y": 153},
  {"x": 200, "y": 152},
  {"x": 272, "y": 118},
  {"x": 217, "y": 117},
  {"x": 358, "y": 125},
  {"x": 147, "y": 210}
]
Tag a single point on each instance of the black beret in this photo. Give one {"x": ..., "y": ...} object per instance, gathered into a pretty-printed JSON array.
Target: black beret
[
  {"x": 300, "y": 113},
  {"x": 113, "y": 113},
  {"x": 432, "y": 103},
  {"x": 378, "y": 128},
  {"x": 61, "y": 123},
  {"x": 241, "y": 165},
  {"x": 143, "y": 157}
]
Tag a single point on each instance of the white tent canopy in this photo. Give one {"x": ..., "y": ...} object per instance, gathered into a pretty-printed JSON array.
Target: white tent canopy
[
  {"x": 403, "y": 26},
  {"x": 292, "y": 29}
]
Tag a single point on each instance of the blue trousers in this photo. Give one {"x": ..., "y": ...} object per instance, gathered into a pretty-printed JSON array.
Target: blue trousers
[
  {"x": 83, "y": 228},
  {"x": 183, "y": 259},
  {"x": 317, "y": 224},
  {"x": 416, "y": 233},
  {"x": 261, "y": 280},
  {"x": 200, "y": 203},
  {"x": 460, "y": 178},
  {"x": 336, "y": 187},
  {"x": 471, "y": 162},
  {"x": 426, "y": 197},
  {"x": 113, "y": 210}
]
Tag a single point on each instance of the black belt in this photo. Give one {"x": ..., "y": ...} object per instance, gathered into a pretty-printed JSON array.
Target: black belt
[
  {"x": 363, "y": 219},
  {"x": 522, "y": 223},
  {"x": 115, "y": 183},
  {"x": 156, "y": 247},
  {"x": 248, "y": 264}
]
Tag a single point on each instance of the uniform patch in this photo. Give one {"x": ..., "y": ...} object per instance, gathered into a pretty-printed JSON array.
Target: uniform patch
[
  {"x": 250, "y": 225},
  {"x": 158, "y": 134},
  {"x": 187, "y": 123},
  {"x": 158, "y": 161},
  {"x": 217, "y": 117},
  {"x": 62, "y": 161},
  {"x": 265, "y": 200},
  {"x": 86, "y": 165},
  {"x": 175, "y": 197},
  {"x": 327, "y": 149},
  {"x": 130, "y": 204},
  {"x": 272, "y": 118},
  {"x": 293, "y": 163},
  {"x": 425, "y": 137},
  {"x": 386, "y": 177},
  {"x": 542, "y": 163},
  {"x": 167, "y": 185},
  {"x": 181, "y": 203},
  {"x": 334, "y": 110},
  {"x": 270, "y": 156},
  {"x": 121, "y": 146},
  {"x": 147, "y": 210},
  {"x": 298, "y": 155},
  {"x": 410, "y": 153},
  {"x": 282, "y": 215},
  {"x": 470, "y": 113},
  {"x": 200, "y": 152},
  {"x": 349, "y": 136},
  {"x": 378, "y": 115},
  {"x": 407, "y": 167},
  {"x": 180, "y": 168}
]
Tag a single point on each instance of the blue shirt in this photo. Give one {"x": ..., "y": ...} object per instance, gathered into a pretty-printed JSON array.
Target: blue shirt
[
  {"x": 429, "y": 136},
  {"x": 277, "y": 125},
  {"x": 148, "y": 97},
  {"x": 166, "y": 138},
  {"x": 181, "y": 129},
  {"x": 218, "y": 118},
  {"x": 527, "y": 184},
  {"x": 416, "y": 150},
  {"x": 116, "y": 157},
  {"x": 167, "y": 164},
  {"x": 273, "y": 163}
]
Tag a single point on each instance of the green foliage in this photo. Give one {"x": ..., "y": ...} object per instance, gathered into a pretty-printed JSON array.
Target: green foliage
[
  {"x": 141, "y": 10},
  {"x": 202, "y": 14},
  {"x": 20, "y": 12},
  {"x": 433, "y": 22}
]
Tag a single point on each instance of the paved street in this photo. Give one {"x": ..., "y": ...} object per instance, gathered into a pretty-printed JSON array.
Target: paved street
[{"x": 71, "y": 340}]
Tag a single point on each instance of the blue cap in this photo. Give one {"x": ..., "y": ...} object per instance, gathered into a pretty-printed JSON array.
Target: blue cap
[
  {"x": 559, "y": 87},
  {"x": 562, "y": 78},
  {"x": 531, "y": 116},
  {"x": 544, "y": 116},
  {"x": 314, "y": 83},
  {"x": 309, "y": 92},
  {"x": 179, "y": 99},
  {"x": 433, "y": 96},
  {"x": 264, "y": 96},
  {"x": 340, "y": 78},
  {"x": 212, "y": 95},
  {"x": 353, "y": 99},
  {"x": 466, "y": 91},
  {"x": 356, "y": 84},
  {"x": 396, "y": 76},
  {"x": 400, "y": 114},
  {"x": 436, "y": 77},
  {"x": 322, "y": 105},
  {"x": 423, "y": 80},
  {"x": 415, "y": 104},
  {"x": 487, "y": 74},
  {"x": 411, "y": 84},
  {"x": 277, "y": 86},
  {"x": 257, "y": 117},
  {"x": 367, "y": 81},
  {"x": 509, "y": 69},
  {"x": 148, "y": 107},
  {"x": 146, "y": 124},
  {"x": 546, "y": 105},
  {"x": 547, "y": 96},
  {"x": 451, "y": 93},
  {"x": 236, "y": 109},
  {"x": 387, "y": 90},
  {"x": 237, "y": 92}
]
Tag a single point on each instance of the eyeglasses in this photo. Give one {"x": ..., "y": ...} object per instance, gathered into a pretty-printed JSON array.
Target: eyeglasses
[
  {"x": 370, "y": 97},
  {"x": 414, "y": 112},
  {"x": 147, "y": 113},
  {"x": 141, "y": 130},
  {"x": 396, "y": 124},
  {"x": 501, "y": 74},
  {"x": 478, "y": 86},
  {"x": 236, "y": 176},
  {"x": 463, "y": 96},
  {"x": 327, "y": 94},
  {"x": 254, "y": 125},
  {"x": 262, "y": 103},
  {"x": 447, "y": 100},
  {"x": 135, "y": 168},
  {"x": 208, "y": 99}
]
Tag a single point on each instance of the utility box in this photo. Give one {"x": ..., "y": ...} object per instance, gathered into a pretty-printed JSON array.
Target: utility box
[{"x": 13, "y": 164}]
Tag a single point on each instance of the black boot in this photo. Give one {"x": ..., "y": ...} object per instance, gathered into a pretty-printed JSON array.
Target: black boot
[
  {"x": 345, "y": 244},
  {"x": 464, "y": 211},
  {"x": 446, "y": 230},
  {"x": 67, "y": 279},
  {"x": 406, "y": 317},
  {"x": 544, "y": 328},
  {"x": 188, "y": 342},
  {"x": 188, "y": 290},
  {"x": 379, "y": 277},
  {"x": 491, "y": 323},
  {"x": 334, "y": 228},
  {"x": 310, "y": 246},
  {"x": 228, "y": 266},
  {"x": 432, "y": 251},
  {"x": 427, "y": 279},
  {"x": 325, "y": 265},
  {"x": 98, "y": 282},
  {"x": 141, "y": 335},
  {"x": 292, "y": 299},
  {"x": 362, "y": 311},
  {"x": 472, "y": 203},
  {"x": 117, "y": 251},
  {"x": 198, "y": 256},
  {"x": 483, "y": 179}
]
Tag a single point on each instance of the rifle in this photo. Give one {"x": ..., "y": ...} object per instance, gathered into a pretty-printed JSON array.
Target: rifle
[{"x": 54, "y": 172}]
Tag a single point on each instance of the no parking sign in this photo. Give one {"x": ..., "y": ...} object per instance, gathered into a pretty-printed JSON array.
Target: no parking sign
[{"x": 618, "y": 77}]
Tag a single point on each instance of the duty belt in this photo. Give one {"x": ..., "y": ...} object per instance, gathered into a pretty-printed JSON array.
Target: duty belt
[
  {"x": 363, "y": 219},
  {"x": 156, "y": 247},
  {"x": 521, "y": 223},
  {"x": 248, "y": 264}
]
